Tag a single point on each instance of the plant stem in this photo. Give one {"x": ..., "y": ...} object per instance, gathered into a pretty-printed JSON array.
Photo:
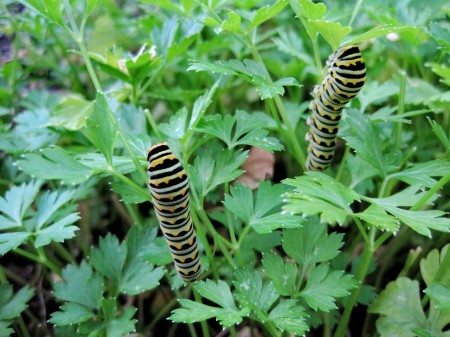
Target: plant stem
[
  {"x": 355, "y": 10},
  {"x": 401, "y": 108},
  {"x": 152, "y": 123},
  {"x": 41, "y": 258},
  {"x": 360, "y": 276},
  {"x": 342, "y": 165},
  {"x": 203, "y": 324},
  {"x": 202, "y": 235}
]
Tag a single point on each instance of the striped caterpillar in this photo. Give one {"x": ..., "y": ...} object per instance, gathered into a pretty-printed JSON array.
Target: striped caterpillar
[
  {"x": 169, "y": 188},
  {"x": 345, "y": 78}
]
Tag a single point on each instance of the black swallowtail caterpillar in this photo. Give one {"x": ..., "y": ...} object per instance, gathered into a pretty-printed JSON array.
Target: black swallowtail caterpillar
[
  {"x": 169, "y": 188},
  {"x": 345, "y": 78}
]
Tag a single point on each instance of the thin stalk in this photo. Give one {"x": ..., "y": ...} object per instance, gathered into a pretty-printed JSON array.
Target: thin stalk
[
  {"x": 39, "y": 259},
  {"x": 152, "y": 123},
  {"x": 2, "y": 275},
  {"x": 216, "y": 236},
  {"x": 355, "y": 10},
  {"x": 202, "y": 235},
  {"x": 317, "y": 56},
  {"x": 132, "y": 184},
  {"x": 203, "y": 324},
  {"x": 342, "y": 165},
  {"x": 162, "y": 313},
  {"x": 134, "y": 214},
  {"x": 360, "y": 276},
  {"x": 361, "y": 229},
  {"x": 401, "y": 109},
  {"x": 63, "y": 252},
  {"x": 233, "y": 331},
  {"x": 326, "y": 324},
  {"x": 298, "y": 153},
  {"x": 23, "y": 328}
]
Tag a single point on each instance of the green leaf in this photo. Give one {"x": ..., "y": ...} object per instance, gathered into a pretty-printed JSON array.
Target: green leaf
[
  {"x": 249, "y": 70},
  {"x": 16, "y": 202},
  {"x": 421, "y": 173},
  {"x": 290, "y": 316},
  {"x": 233, "y": 24},
  {"x": 54, "y": 164},
  {"x": 308, "y": 9},
  {"x": 57, "y": 231},
  {"x": 441, "y": 70},
  {"x": 101, "y": 128},
  {"x": 440, "y": 33},
  {"x": 138, "y": 275},
  {"x": 282, "y": 273},
  {"x": 366, "y": 140},
  {"x": 241, "y": 129},
  {"x": 49, "y": 203},
  {"x": 211, "y": 171},
  {"x": 10, "y": 241},
  {"x": 266, "y": 13},
  {"x": 71, "y": 313},
  {"x": 420, "y": 221},
  {"x": 109, "y": 258},
  {"x": 227, "y": 314},
  {"x": 317, "y": 193},
  {"x": 122, "y": 325},
  {"x": 324, "y": 286},
  {"x": 12, "y": 305},
  {"x": 71, "y": 113},
  {"x": 400, "y": 309},
  {"x": 201, "y": 104},
  {"x": 311, "y": 244},
  {"x": 252, "y": 293},
  {"x": 440, "y": 295},
  {"x": 382, "y": 30},
  {"x": 128, "y": 193},
  {"x": 259, "y": 212},
  {"x": 430, "y": 266},
  {"x": 377, "y": 217},
  {"x": 80, "y": 285},
  {"x": 332, "y": 32},
  {"x": 440, "y": 133}
]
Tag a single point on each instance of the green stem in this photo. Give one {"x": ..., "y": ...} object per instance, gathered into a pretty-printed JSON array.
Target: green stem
[
  {"x": 326, "y": 324},
  {"x": 63, "y": 252},
  {"x": 401, "y": 109},
  {"x": 317, "y": 56},
  {"x": 342, "y": 165},
  {"x": 203, "y": 324},
  {"x": 23, "y": 327},
  {"x": 443, "y": 267},
  {"x": 361, "y": 229},
  {"x": 2, "y": 275},
  {"x": 153, "y": 125},
  {"x": 138, "y": 189},
  {"x": 161, "y": 314},
  {"x": 360, "y": 276},
  {"x": 216, "y": 236},
  {"x": 355, "y": 10},
  {"x": 202, "y": 235},
  {"x": 41, "y": 258}
]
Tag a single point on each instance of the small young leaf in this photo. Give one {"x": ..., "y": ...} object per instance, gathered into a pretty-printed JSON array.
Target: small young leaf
[
  {"x": 310, "y": 244},
  {"x": 332, "y": 32},
  {"x": 324, "y": 286},
  {"x": 430, "y": 265},
  {"x": 101, "y": 128},
  {"x": 308, "y": 9},
  {"x": 266, "y": 13},
  {"x": 108, "y": 259},
  {"x": 233, "y": 24},
  {"x": 241, "y": 129}
]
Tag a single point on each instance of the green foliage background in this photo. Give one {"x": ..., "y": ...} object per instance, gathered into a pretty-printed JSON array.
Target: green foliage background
[{"x": 87, "y": 86}]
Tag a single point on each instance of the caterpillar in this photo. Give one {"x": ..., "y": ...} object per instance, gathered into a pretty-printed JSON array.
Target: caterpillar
[
  {"x": 345, "y": 78},
  {"x": 169, "y": 188}
]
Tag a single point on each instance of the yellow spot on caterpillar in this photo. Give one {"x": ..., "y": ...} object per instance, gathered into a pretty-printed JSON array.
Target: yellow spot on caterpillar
[{"x": 178, "y": 247}]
